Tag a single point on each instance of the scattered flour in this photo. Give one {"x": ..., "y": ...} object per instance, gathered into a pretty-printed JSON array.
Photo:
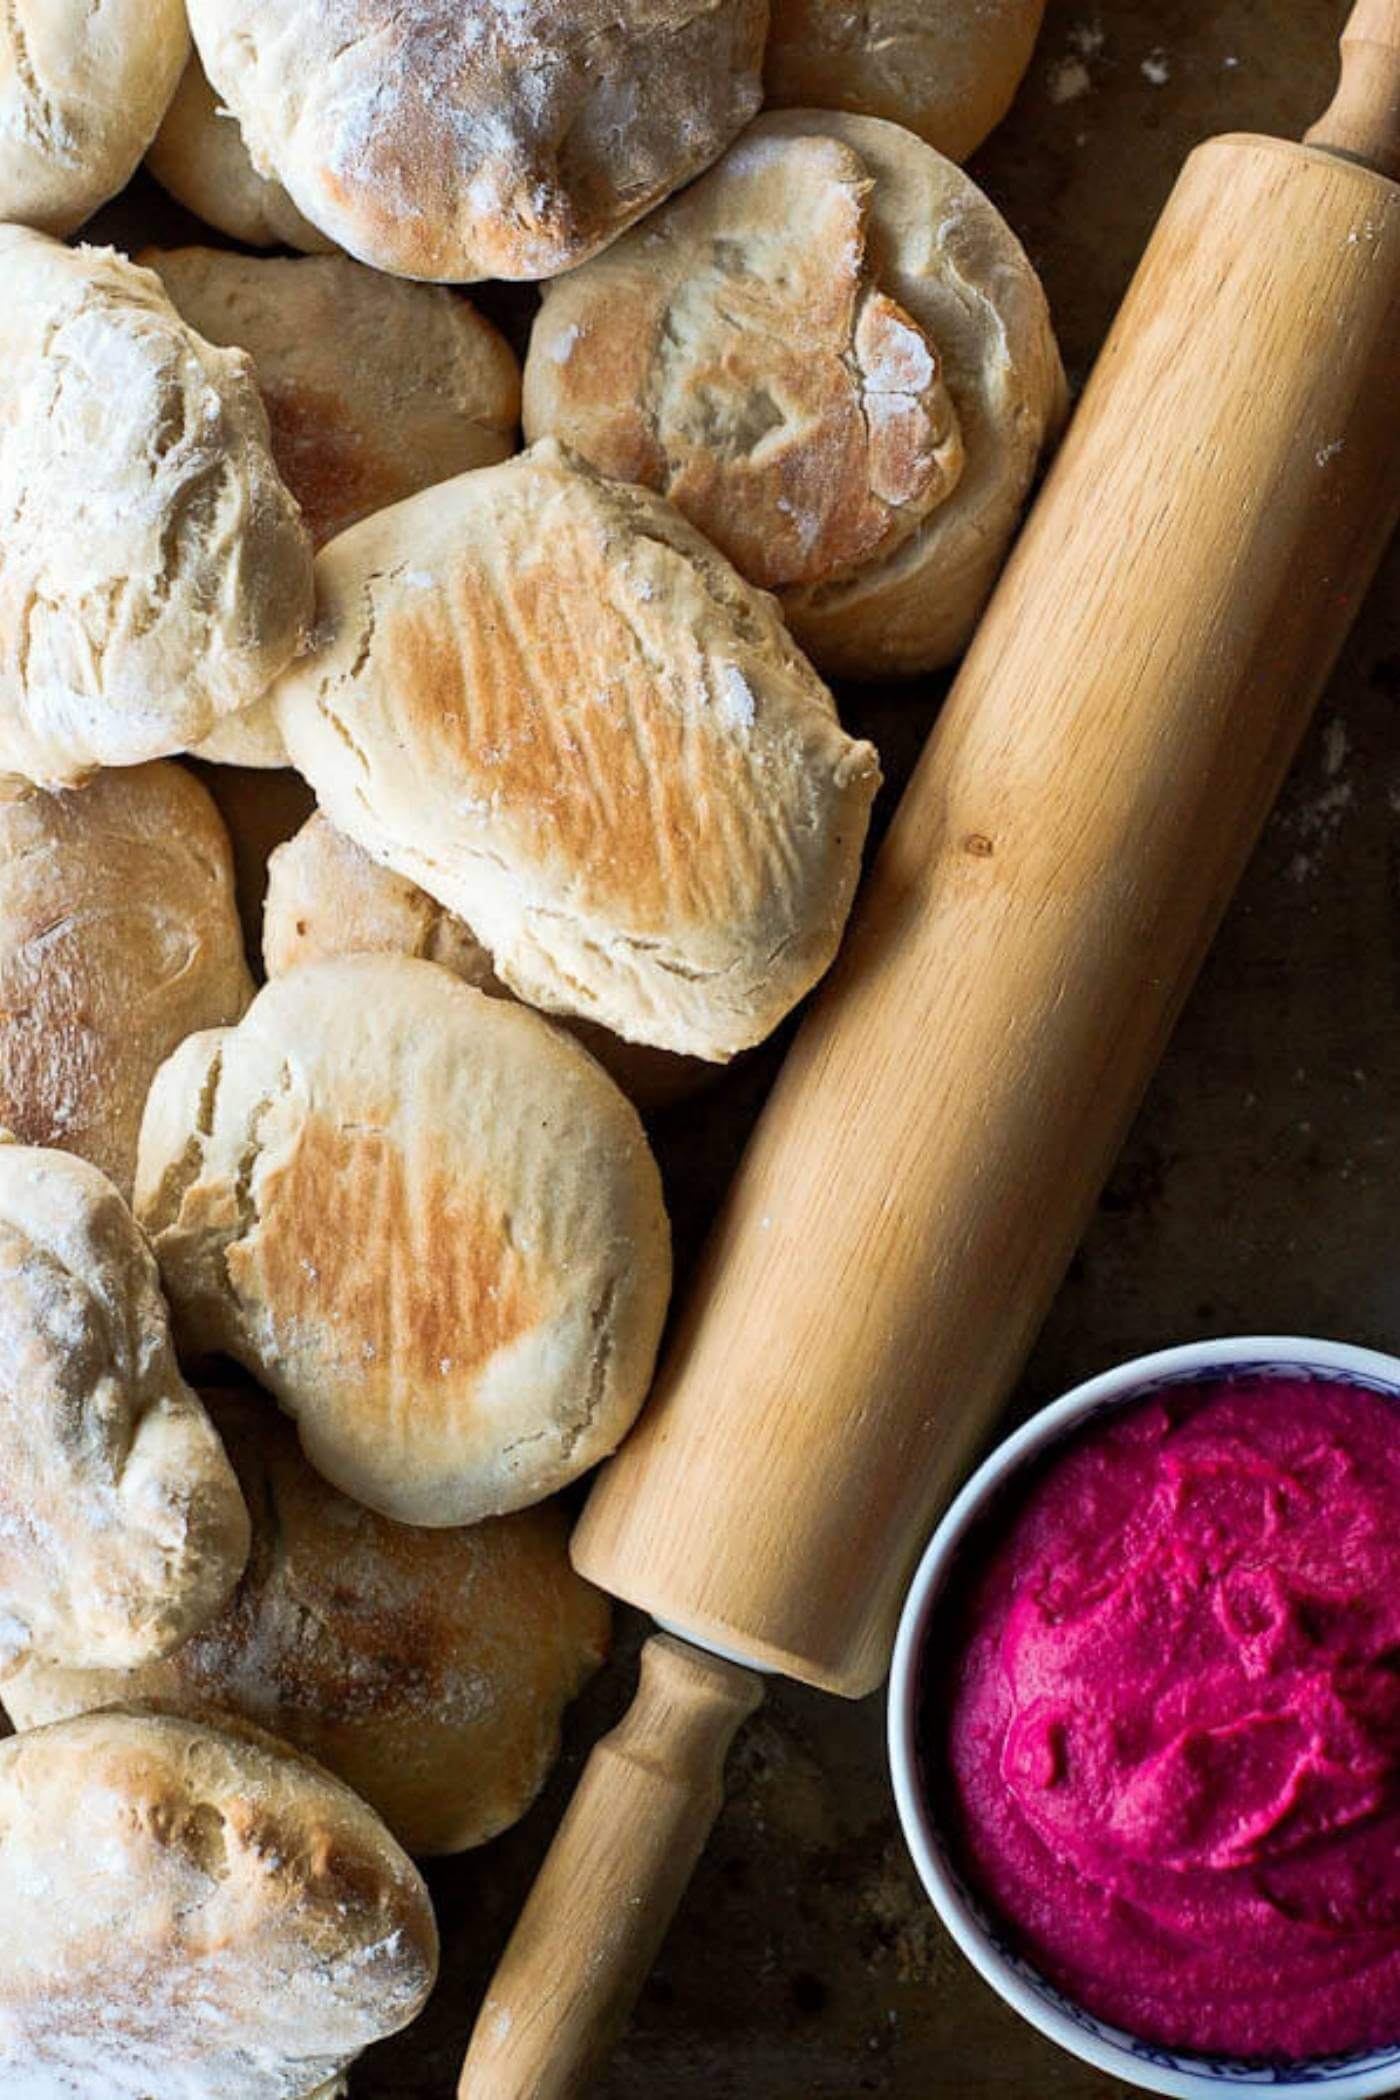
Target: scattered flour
[
  {"x": 1318, "y": 821},
  {"x": 1069, "y": 79},
  {"x": 736, "y": 698},
  {"x": 1156, "y": 69},
  {"x": 904, "y": 364}
]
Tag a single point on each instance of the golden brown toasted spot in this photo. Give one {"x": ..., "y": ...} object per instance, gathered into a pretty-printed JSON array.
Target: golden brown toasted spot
[
  {"x": 803, "y": 444},
  {"x": 343, "y": 1874},
  {"x": 427, "y": 1668},
  {"x": 116, "y": 940},
  {"x": 304, "y": 1651},
  {"x": 202, "y": 1835},
  {"x": 411, "y": 1275},
  {"x": 325, "y": 460},
  {"x": 749, "y": 368},
  {"x": 51, "y": 1059},
  {"x": 618, "y": 779}
]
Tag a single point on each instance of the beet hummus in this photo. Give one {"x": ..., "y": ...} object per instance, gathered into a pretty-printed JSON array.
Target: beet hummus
[{"x": 1162, "y": 1719}]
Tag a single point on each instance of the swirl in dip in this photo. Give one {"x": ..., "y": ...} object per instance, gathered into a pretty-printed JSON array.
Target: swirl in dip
[{"x": 1162, "y": 1719}]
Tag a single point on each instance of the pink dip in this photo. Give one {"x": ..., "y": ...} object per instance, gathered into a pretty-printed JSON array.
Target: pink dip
[{"x": 1163, "y": 1722}]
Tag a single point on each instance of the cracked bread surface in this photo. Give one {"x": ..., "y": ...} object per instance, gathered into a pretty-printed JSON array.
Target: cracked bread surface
[
  {"x": 122, "y": 1528},
  {"x": 425, "y": 1220},
  {"x": 833, "y": 355},
  {"x": 737, "y": 354},
  {"x": 194, "y": 1912},
  {"x": 544, "y": 698},
  {"x": 506, "y": 139},
  {"x": 119, "y": 936},
  {"x": 82, "y": 90},
  {"x": 155, "y": 575},
  {"x": 427, "y": 1669}
]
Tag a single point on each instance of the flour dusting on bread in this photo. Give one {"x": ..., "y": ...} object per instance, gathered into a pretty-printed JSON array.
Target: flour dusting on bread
[
  {"x": 536, "y": 742},
  {"x": 509, "y": 139},
  {"x": 194, "y": 1912},
  {"x": 122, "y": 1529},
  {"x": 154, "y": 572}
]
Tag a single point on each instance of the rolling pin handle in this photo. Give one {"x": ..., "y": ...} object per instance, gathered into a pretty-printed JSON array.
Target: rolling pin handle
[
  {"x": 611, "y": 1881},
  {"x": 1362, "y": 122}
]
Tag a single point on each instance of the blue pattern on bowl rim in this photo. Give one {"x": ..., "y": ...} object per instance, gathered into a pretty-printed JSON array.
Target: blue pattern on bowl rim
[{"x": 1234, "y": 2071}]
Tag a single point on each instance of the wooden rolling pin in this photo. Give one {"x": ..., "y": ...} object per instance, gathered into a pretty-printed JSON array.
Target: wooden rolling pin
[{"x": 935, "y": 1143}]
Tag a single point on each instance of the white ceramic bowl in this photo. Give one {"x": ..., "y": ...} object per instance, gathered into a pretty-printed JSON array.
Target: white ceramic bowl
[{"x": 1122, "y": 2056}]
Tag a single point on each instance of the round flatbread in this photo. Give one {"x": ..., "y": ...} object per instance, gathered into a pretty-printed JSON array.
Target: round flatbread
[
  {"x": 188, "y": 1911},
  {"x": 425, "y": 1220},
  {"x": 511, "y": 138},
  {"x": 122, "y": 1529},
  {"x": 834, "y": 357},
  {"x": 427, "y": 1669},
  {"x": 547, "y": 700},
  {"x": 155, "y": 575}
]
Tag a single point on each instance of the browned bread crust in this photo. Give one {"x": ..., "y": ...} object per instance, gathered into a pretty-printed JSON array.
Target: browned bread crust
[
  {"x": 947, "y": 69},
  {"x": 509, "y": 138},
  {"x": 427, "y": 1669},
  {"x": 425, "y": 1219},
  {"x": 374, "y": 388},
  {"x": 194, "y": 1911},
  {"x": 122, "y": 1528},
  {"x": 547, "y": 700},
  {"x": 833, "y": 355},
  {"x": 118, "y": 938}
]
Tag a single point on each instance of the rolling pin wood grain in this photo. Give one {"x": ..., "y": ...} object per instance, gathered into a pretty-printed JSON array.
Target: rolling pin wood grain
[
  {"x": 937, "y": 1138},
  {"x": 626, "y": 1849},
  {"x": 1363, "y": 119}
]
